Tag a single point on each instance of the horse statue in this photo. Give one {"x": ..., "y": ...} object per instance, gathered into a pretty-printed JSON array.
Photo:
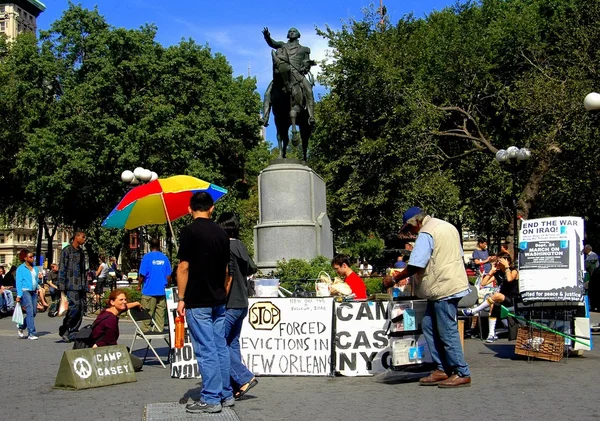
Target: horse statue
[{"x": 290, "y": 93}]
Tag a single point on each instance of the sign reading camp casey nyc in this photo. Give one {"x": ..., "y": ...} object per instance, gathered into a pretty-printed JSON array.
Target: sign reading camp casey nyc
[
  {"x": 288, "y": 336},
  {"x": 550, "y": 259},
  {"x": 95, "y": 367}
]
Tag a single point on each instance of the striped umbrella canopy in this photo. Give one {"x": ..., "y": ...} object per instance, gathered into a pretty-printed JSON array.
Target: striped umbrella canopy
[{"x": 159, "y": 201}]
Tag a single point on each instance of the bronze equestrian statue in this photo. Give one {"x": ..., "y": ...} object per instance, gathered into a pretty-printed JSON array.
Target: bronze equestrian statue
[{"x": 290, "y": 93}]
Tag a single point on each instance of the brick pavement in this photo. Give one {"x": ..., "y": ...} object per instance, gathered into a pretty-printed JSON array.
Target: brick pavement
[{"x": 503, "y": 387}]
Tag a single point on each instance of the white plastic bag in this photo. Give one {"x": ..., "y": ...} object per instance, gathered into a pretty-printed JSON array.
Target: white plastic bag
[
  {"x": 18, "y": 314},
  {"x": 64, "y": 304}
]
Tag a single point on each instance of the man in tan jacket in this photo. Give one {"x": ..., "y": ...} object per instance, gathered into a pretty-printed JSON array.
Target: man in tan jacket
[{"x": 437, "y": 266}]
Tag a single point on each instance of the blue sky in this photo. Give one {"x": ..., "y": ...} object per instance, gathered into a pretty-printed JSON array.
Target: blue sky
[{"x": 233, "y": 28}]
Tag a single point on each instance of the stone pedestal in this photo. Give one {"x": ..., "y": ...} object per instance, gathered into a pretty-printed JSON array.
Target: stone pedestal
[{"x": 293, "y": 222}]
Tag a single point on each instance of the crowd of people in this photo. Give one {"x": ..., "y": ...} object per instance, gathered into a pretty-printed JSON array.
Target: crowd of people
[{"x": 212, "y": 285}]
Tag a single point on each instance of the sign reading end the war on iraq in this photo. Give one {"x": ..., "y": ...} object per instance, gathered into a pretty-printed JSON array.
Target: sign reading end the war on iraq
[
  {"x": 550, "y": 259},
  {"x": 184, "y": 364},
  {"x": 288, "y": 336},
  {"x": 94, "y": 367}
]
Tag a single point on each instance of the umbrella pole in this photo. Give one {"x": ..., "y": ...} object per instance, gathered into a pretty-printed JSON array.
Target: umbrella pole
[{"x": 169, "y": 222}]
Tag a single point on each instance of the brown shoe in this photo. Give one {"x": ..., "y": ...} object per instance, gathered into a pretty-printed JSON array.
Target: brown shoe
[
  {"x": 456, "y": 381},
  {"x": 434, "y": 378}
]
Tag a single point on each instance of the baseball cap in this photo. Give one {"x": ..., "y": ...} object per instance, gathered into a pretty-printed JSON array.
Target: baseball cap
[{"x": 410, "y": 212}]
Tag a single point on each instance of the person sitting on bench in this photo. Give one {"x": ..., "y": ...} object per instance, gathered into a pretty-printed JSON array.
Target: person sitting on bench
[{"x": 505, "y": 275}]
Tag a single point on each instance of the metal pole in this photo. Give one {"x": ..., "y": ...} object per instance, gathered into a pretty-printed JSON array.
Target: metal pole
[{"x": 515, "y": 217}]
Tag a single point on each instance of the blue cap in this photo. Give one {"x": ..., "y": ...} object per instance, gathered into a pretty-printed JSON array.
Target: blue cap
[{"x": 410, "y": 212}]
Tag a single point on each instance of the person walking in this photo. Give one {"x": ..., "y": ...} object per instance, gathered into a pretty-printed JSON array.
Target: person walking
[
  {"x": 241, "y": 266},
  {"x": 202, "y": 277},
  {"x": 101, "y": 278},
  {"x": 27, "y": 282},
  {"x": 72, "y": 282},
  {"x": 437, "y": 266},
  {"x": 155, "y": 275}
]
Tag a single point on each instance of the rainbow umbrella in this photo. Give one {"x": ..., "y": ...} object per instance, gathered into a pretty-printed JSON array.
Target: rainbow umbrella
[{"x": 159, "y": 201}]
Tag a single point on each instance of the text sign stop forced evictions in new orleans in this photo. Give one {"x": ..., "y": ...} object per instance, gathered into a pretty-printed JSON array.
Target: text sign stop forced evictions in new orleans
[
  {"x": 288, "y": 336},
  {"x": 550, "y": 259},
  {"x": 94, "y": 367}
]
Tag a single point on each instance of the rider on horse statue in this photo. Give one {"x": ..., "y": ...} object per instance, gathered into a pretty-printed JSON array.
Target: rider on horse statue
[{"x": 295, "y": 57}]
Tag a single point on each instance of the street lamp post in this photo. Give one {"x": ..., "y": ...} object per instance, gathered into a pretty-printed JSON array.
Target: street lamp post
[
  {"x": 134, "y": 178},
  {"x": 512, "y": 157}
]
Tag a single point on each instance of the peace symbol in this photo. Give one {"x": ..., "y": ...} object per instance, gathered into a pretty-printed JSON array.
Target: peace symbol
[{"x": 82, "y": 368}]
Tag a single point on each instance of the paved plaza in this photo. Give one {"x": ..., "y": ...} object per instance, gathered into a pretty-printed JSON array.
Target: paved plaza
[{"x": 504, "y": 387}]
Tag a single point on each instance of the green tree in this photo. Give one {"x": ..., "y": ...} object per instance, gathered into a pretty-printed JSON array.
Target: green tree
[
  {"x": 416, "y": 112},
  {"x": 90, "y": 100}
]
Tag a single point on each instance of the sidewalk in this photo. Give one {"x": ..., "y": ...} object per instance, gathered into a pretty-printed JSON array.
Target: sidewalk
[{"x": 504, "y": 387}]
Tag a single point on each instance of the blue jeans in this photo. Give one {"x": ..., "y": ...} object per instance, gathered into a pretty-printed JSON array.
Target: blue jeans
[
  {"x": 240, "y": 375},
  {"x": 207, "y": 332},
  {"x": 29, "y": 306},
  {"x": 441, "y": 333}
]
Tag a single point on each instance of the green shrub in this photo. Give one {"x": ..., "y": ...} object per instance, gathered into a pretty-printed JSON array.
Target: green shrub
[
  {"x": 296, "y": 270},
  {"x": 374, "y": 285},
  {"x": 132, "y": 294}
]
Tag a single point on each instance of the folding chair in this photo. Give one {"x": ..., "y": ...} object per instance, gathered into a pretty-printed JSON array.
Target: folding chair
[{"x": 138, "y": 315}]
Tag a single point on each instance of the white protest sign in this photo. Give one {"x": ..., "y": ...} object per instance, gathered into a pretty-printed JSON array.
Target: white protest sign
[
  {"x": 362, "y": 347},
  {"x": 288, "y": 336},
  {"x": 184, "y": 364},
  {"x": 550, "y": 259},
  {"x": 361, "y": 343}
]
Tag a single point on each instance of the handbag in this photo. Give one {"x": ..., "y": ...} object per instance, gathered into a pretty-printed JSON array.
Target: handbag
[
  {"x": 64, "y": 304},
  {"x": 483, "y": 291},
  {"x": 18, "y": 314},
  {"x": 323, "y": 284}
]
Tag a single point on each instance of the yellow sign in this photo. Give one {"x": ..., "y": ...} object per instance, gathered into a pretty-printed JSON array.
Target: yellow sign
[{"x": 264, "y": 315}]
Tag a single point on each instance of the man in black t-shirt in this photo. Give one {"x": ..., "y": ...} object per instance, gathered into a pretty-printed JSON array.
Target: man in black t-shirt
[{"x": 202, "y": 275}]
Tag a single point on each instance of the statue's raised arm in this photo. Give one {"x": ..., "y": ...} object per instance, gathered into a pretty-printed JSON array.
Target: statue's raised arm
[{"x": 270, "y": 41}]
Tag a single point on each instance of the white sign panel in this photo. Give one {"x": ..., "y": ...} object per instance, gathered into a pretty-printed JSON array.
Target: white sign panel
[
  {"x": 288, "y": 336},
  {"x": 550, "y": 259},
  {"x": 362, "y": 347},
  {"x": 184, "y": 364},
  {"x": 361, "y": 342}
]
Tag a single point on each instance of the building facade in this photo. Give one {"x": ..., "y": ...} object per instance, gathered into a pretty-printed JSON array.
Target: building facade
[
  {"x": 23, "y": 235},
  {"x": 19, "y": 16}
]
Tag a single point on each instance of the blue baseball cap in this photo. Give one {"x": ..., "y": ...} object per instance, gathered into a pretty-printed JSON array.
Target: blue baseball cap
[{"x": 410, "y": 212}]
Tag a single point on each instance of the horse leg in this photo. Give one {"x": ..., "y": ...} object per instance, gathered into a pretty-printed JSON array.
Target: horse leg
[
  {"x": 285, "y": 141},
  {"x": 305, "y": 132},
  {"x": 294, "y": 114},
  {"x": 279, "y": 144}
]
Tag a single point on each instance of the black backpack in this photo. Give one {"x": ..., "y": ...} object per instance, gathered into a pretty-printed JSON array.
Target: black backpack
[
  {"x": 53, "y": 309},
  {"x": 83, "y": 339}
]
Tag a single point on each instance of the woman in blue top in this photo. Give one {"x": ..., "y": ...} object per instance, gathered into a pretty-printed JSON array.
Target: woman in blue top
[{"x": 26, "y": 281}]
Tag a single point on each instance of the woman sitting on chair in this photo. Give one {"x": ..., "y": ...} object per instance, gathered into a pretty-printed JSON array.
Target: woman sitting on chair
[
  {"x": 106, "y": 327},
  {"x": 505, "y": 275}
]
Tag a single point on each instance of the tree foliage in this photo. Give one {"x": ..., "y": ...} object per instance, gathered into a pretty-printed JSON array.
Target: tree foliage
[
  {"x": 89, "y": 100},
  {"x": 416, "y": 111}
]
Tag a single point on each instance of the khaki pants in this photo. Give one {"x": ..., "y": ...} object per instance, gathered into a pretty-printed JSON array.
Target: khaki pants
[{"x": 156, "y": 306}]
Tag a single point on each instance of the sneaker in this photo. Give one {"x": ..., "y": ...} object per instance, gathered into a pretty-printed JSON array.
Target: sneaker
[
  {"x": 21, "y": 333},
  {"x": 65, "y": 337},
  {"x": 492, "y": 338},
  {"x": 467, "y": 312},
  {"x": 33, "y": 338},
  {"x": 203, "y": 407},
  {"x": 228, "y": 403}
]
